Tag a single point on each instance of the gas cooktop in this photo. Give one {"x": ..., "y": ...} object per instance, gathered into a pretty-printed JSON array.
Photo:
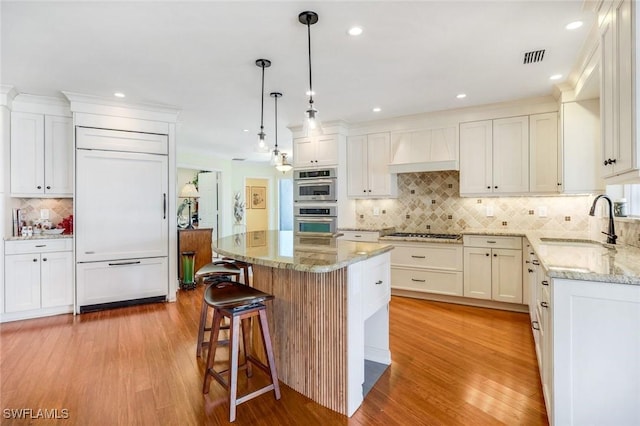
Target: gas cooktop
[{"x": 425, "y": 235}]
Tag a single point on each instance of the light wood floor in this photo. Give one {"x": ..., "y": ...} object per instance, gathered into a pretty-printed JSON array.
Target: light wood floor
[{"x": 136, "y": 366}]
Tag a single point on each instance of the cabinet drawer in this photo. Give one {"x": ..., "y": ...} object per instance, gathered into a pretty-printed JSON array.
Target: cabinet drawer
[
  {"x": 38, "y": 246},
  {"x": 368, "y": 236},
  {"x": 116, "y": 140},
  {"x": 376, "y": 285},
  {"x": 492, "y": 241},
  {"x": 434, "y": 256},
  {"x": 441, "y": 282}
]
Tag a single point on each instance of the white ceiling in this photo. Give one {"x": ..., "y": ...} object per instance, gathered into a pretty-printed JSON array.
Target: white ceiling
[{"x": 413, "y": 57}]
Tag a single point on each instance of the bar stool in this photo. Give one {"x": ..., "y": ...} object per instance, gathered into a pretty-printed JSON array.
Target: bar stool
[
  {"x": 209, "y": 274},
  {"x": 241, "y": 265},
  {"x": 239, "y": 303}
]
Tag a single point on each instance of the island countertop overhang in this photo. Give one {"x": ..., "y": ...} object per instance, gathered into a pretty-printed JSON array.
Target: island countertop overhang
[{"x": 286, "y": 250}]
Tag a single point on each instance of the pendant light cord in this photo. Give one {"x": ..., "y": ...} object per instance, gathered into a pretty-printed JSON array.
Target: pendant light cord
[
  {"x": 276, "y": 132},
  {"x": 262, "y": 102},
  {"x": 309, "y": 45}
]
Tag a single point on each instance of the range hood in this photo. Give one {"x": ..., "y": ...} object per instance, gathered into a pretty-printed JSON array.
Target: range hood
[
  {"x": 426, "y": 166},
  {"x": 428, "y": 150}
]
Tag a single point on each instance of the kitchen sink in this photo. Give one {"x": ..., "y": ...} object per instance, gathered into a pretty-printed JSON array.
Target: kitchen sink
[{"x": 577, "y": 255}]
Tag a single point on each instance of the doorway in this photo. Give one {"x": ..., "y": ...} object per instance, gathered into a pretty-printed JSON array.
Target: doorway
[
  {"x": 206, "y": 209},
  {"x": 257, "y": 204}
]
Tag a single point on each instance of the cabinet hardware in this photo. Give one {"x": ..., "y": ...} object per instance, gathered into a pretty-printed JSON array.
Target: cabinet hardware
[
  {"x": 495, "y": 187},
  {"x": 124, "y": 263},
  {"x": 48, "y": 187},
  {"x": 44, "y": 259},
  {"x": 486, "y": 254},
  {"x": 378, "y": 282},
  {"x": 545, "y": 282},
  {"x": 41, "y": 245},
  {"x": 39, "y": 187},
  {"x": 530, "y": 270},
  {"x": 164, "y": 206},
  {"x": 488, "y": 187},
  {"x": 364, "y": 190},
  {"x": 491, "y": 242},
  {"x": 613, "y": 161},
  {"x": 535, "y": 262},
  {"x": 559, "y": 184},
  {"x": 535, "y": 325},
  {"x": 89, "y": 252},
  {"x": 418, "y": 281},
  {"x": 35, "y": 260},
  {"x": 495, "y": 255},
  {"x": 357, "y": 236},
  {"x": 544, "y": 304},
  {"x": 526, "y": 261},
  {"x": 369, "y": 190},
  {"x": 418, "y": 257}
]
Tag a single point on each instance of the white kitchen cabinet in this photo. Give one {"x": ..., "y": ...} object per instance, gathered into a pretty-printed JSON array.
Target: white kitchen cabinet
[
  {"x": 424, "y": 150},
  {"x": 41, "y": 155},
  {"x": 493, "y": 268},
  {"x": 376, "y": 285},
  {"x": 544, "y": 153},
  {"x": 368, "y": 173},
  {"x": 494, "y": 156},
  {"x": 618, "y": 92},
  {"x": 38, "y": 278},
  {"x": 366, "y": 236},
  {"x": 427, "y": 268},
  {"x": 317, "y": 150},
  {"x": 581, "y": 149}
]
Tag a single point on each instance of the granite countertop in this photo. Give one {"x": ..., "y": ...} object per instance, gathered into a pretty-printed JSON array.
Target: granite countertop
[
  {"x": 284, "y": 250},
  {"x": 40, "y": 237},
  {"x": 382, "y": 231},
  {"x": 392, "y": 239}
]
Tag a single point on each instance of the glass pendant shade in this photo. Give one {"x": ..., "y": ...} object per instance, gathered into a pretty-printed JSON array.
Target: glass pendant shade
[{"x": 312, "y": 124}]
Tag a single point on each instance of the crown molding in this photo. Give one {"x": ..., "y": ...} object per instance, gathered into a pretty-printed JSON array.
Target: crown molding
[{"x": 7, "y": 94}]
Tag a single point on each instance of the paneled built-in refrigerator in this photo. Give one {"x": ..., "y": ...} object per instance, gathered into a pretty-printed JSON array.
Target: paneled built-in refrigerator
[{"x": 121, "y": 223}]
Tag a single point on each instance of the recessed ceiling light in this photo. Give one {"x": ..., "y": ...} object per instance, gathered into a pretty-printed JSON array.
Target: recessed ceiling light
[
  {"x": 119, "y": 95},
  {"x": 310, "y": 93},
  {"x": 461, "y": 95},
  {"x": 355, "y": 31},
  {"x": 574, "y": 25},
  {"x": 377, "y": 109},
  {"x": 245, "y": 130},
  {"x": 555, "y": 77}
]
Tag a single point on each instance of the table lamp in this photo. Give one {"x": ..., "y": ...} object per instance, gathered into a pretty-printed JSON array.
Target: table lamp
[{"x": 189, "y": 191}]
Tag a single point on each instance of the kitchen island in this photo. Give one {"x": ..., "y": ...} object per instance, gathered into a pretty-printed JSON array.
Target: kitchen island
[{"x": 330, "y": 311}]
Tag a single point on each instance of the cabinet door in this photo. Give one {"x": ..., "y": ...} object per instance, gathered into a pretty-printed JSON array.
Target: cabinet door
[
  {"x": 326, "y": 150},
  {"x": 607, "y": 46},
  {"x": 27, "y": 154},
  {"x": 304, "y": 152},
  {"x": 376, "y": 285},
  {"x": 56, "y": 279},
  {"x": 477, "y": 272},
  {"x": 378, "y": 153},
  {"x": 357, "y": 166},
  {"x": 511, "y": 155},
  {"x": 543, "y": 153},
  {"x": 22, "y": 282},
  {"x": 58, "y": 156},
  {"x": 624, "y": 90},
  {"x": 506, "y": 275},
  {"x": 475, "y": 157}
]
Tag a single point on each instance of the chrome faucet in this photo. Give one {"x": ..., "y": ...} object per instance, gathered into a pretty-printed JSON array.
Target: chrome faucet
[{"x": 611, "y": 235}]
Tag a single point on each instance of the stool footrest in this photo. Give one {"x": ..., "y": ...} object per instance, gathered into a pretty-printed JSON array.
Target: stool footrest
[{"x": 252, "y": 395}]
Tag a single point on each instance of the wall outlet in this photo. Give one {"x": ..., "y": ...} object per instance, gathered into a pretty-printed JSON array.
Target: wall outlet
[
  {"x": 376, "y": 211},
  {"x": 489, "y": 211},
  {"x": 542, "y": 211}
]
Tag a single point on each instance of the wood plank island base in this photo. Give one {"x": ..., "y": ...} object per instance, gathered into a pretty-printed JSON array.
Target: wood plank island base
[{"x": 330, "y": 311}]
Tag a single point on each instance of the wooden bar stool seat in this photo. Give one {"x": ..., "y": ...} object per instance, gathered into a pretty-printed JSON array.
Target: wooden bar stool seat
[
  {"x": 245, "y": 266},
  {"x": 208, "y": 274},
  {"x": 239, "y": 303}
]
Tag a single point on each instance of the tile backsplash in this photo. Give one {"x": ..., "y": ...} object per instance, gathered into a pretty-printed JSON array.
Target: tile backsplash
[
  {"x": 431, "y": 202},
  {"x": 59, "y": 208}
]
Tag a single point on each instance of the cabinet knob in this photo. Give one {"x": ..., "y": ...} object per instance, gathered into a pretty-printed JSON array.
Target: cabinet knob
[
  {"x": 486, "y": 254},
  {"x": 544, "y": 304},
  {"x": 39, "y": 187},
  {"x": 495, "y": 187},
  {"x": 369, "y": 190},
  {"x": 530, "y": 270},
  {"x": 559, "y": 184},
  {"x": 364, "y": 190},
  {"x": 44, "y": 259},
  {"x": 495, "y": 255},
  {"x": 35, "y": 260},
  {"x": 48, "y": 187},
  {"x": 535, "y": 325},
  {"x": 488, "y": 187}
]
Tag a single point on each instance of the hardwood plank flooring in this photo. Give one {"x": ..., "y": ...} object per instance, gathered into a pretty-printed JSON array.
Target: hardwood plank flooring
[{"x": 452, "y": 365}]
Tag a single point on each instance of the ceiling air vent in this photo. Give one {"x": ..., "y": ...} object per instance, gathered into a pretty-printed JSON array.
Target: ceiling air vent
[{"x": 533, "y": 56}]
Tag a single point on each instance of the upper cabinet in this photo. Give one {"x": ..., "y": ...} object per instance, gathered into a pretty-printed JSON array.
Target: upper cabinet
[
  {"x": 41, "y": 155},
  {"x": 368, "y": 167},
  {"x": 317, "y": 150},
  {"x": 424, "y": 150},
  {"x": 494, "y": 156},
  {"x": 618, "y": 95},
  {"x": 544, "y": 169}
]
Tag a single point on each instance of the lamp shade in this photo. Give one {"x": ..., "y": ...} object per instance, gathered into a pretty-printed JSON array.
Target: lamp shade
[{"x": 189, "y": 191}]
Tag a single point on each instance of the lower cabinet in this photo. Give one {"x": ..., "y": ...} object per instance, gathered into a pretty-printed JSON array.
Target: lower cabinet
[
  {"x": 38, "y": 278},
  {"x": 493, "y": 268},
  {"x": 376, "y": 285},
  {"x": 366, "y": 236},
  {"x": 427, "y": 267}
]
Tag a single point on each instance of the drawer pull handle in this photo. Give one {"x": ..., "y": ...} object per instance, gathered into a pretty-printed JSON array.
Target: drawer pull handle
[
  {"x": 418, "y": 257},
  {"x": 535, "y": 262},
  {"x": 89, "y": 252},
  {"x": 358, "y": 236},
  {"x": 418, "y": 281},
  {"x": 378, "y": 282},
  {"x": 535, "y": 325},
  {"x": 544, "y": 304},
  {"x": 530, "y": 270},
  {"x": 41, "y": 245},
  {"x": 545, "y": 282},
  {"x": 491, "y": 242},
  {"x": 124, "y": 263}
]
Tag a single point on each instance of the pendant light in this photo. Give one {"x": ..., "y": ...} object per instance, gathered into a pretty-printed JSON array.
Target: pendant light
[
  {"x": 279, "y": 159},
  {"x": 311, "y": 122},
  {"x": 262, "y": 145}
]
